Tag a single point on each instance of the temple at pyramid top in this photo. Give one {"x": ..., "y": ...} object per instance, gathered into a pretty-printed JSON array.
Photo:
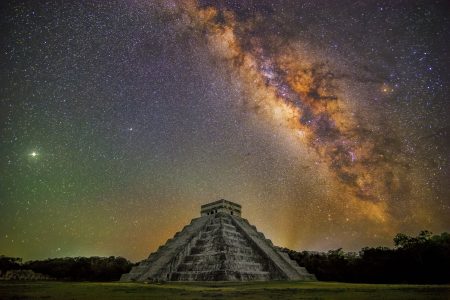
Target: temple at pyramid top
[
  {"x": 220, "y": 245},
  {"x": 219, "y": 206}
]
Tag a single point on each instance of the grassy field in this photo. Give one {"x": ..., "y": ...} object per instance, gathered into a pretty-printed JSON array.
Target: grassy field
[{"x": 219, "y": 290}]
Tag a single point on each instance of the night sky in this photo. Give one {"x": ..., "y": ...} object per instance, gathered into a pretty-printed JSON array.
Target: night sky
[{"x": 328, "y": 121}]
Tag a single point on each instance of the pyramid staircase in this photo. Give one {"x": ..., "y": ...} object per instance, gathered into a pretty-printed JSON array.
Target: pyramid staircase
[
  {"x": 222, "y": 253},
  {"x": 218, "y": 247}
]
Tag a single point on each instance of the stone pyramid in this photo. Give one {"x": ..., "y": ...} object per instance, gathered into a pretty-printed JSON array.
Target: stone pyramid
[{"x": 218, "y": 246}]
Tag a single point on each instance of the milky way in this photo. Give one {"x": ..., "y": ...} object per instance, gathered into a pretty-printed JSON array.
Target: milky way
[
  {"x": 327, "y": 121},
  {"x": 304, "y": 94},
  {"x": 302, "y": 90}
]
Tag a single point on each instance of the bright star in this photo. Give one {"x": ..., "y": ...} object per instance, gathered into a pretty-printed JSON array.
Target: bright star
[
  {"x": 387, "y": 89},
  {"x": 34, "y": 154}
]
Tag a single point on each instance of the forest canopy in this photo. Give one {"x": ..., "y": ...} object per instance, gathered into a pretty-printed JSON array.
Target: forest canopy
[{"x": 424, "y": 258}]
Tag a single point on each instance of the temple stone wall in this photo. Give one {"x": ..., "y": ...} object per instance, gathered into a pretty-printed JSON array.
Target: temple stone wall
[{"x": 221, "y": 206}]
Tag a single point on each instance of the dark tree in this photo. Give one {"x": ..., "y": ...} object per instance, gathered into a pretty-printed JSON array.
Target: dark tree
[
  {"x": 9, "y": 263},
  {"x": 82, "y": 268},
  {"x": 424, "y": 258}
]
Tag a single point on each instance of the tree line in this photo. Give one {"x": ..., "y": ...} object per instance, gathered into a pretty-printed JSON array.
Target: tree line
[
  {"x": 72, "y": 268},
  {"x": 424, "y": 258}
]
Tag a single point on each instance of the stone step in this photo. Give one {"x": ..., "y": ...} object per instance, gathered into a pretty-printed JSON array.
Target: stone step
[
  {"x": 160, "y": 260},
  {"x": 221, "y": 220},
  {"x": 237, "y": 255},
  {"x": 217, "y": 234},
  {"x": 221, "y": 236},
  {"x": 219, "y": 223},
  {"x": 203, "y": 240},
  {"x": 221, "y": 265},
  {"x": 221, "y": 253},
  {"x": 154, "y": 255},
  {"x": 212, "y": 227},
  {"x": 138, "y": 269},
  {"x": 233, "y": 234},
  {"x": 277, "y": 260},
  {"x": 217, "y": 246},
  {"x": 301, "y": 270},
  {"x": 226, "y": 254},
  {"x": 220, "y": 275}
]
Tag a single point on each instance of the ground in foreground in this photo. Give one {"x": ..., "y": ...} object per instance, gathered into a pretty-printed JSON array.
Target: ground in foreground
[{"x": 219, "y": 290}]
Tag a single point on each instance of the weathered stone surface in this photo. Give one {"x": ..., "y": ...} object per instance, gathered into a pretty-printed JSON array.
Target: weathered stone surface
[
  {"x": 219, "y": 246},
  {"x": 160, "y": 264},
  {"x": 278, "y": 260}
]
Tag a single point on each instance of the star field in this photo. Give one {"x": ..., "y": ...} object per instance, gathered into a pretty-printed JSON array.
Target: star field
[{"x": 328, "y": 122}]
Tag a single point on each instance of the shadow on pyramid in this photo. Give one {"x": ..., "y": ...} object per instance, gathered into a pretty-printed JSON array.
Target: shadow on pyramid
[{"x": 218, "y": 246}]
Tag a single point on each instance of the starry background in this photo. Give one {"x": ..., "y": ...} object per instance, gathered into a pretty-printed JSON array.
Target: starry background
[{"x": 328, "y": 121}]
